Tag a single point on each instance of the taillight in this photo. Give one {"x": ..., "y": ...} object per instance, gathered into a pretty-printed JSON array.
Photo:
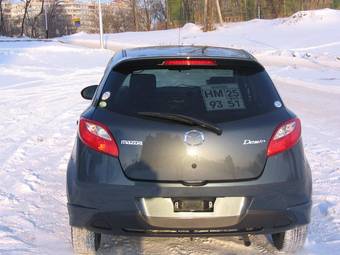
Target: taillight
[
  {"x": 189, "y": 62},
  {"x": 97, "y": 136},
  {"x": 285, "y": 136}
]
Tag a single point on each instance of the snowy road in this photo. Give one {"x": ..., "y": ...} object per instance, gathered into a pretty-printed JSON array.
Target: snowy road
[
  {"x": 40, "y": 102},
  {"x": 39, "y": 106}
]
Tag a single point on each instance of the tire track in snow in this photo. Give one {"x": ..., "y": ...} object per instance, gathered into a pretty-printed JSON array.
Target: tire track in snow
[
  {"x": 34, "y": 130},
  {"x": 33, "y": 196},
  {"x": 36, "y": 193},
  {"x": 40, "y": 115}
]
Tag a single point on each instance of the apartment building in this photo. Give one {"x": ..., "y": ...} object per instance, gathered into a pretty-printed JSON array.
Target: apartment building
[{"x": 86, "y": 12}]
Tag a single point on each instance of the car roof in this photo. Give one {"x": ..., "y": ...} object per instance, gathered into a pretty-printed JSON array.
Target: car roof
[{"x": 186, "y": 51}]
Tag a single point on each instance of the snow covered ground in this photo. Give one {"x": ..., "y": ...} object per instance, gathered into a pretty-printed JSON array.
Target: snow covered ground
[{"x": 40, "y": 103}]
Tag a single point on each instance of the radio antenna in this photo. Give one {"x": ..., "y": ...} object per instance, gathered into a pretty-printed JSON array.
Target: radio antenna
[{"x": 179, "y": 35}]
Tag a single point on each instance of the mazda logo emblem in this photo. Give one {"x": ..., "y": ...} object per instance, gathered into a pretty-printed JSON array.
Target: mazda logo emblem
[{"x": 194, "y": 137}]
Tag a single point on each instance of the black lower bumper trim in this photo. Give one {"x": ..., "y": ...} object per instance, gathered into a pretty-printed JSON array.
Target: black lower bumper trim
[
  {"x": 131, "y": 222},
  {"x": 190, "y": 231}
]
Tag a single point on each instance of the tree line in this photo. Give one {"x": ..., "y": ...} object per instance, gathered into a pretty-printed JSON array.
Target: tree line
[
  {"x": 145, "y": 15},
  {"x": 209, "y": 12}
]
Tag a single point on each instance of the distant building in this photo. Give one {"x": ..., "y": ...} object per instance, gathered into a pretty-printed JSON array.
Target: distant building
[
  {"x": 71, "y": 10},
  {"x": 121, "y": 4},
  {"x": 86, "y": 12}
]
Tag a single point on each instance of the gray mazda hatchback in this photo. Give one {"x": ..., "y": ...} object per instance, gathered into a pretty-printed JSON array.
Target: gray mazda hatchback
[{"x": 187, "y": 141}]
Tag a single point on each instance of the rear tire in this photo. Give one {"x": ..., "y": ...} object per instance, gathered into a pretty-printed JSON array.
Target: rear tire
[
  {"x": 290, "y": 241},
  {"x": 84, "y": 242}
]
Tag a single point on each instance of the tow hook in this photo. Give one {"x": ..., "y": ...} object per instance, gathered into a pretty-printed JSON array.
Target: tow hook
[{"x": 246, "y": 240}]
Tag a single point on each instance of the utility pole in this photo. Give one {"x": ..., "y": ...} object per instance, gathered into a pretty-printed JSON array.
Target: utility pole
[
  {"x": 245, "y": 10},
  {"x": 135, "y": 22},
  {"x": 168, "y": 18},
  {"x": 284, "y": 8},
  {"x": 219, "y": 12},
  {"x": 100, "y": 25}
]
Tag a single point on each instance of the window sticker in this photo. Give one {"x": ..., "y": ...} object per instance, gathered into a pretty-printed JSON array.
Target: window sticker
[
  {"x": 277, "y": 104},
  {"x": 106, "y": 95},
  {"x": 222, "y": 97},
  {"x": 102, "y": 104}
]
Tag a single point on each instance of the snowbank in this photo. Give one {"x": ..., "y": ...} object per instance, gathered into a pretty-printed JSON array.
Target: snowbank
[
  {"x": 313, "y": 17},
  {"x": 308, "y": 34}
]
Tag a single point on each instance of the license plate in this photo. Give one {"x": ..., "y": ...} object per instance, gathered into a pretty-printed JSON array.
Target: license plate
[
  {"x": 222, "y": 97},
  {"x": 193, "y": 205}
]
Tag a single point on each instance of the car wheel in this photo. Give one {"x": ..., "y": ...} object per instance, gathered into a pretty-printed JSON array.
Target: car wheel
[
  {"x": 84, "y": 242},
  {"x": 290, "y": 241}
]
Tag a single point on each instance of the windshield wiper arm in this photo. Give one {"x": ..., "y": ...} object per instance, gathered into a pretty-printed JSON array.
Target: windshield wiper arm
[{"x": 183, "y": 119}]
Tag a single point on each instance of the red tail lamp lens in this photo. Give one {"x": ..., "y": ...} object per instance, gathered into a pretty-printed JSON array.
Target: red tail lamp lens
[
  {"x": 98, "y": 137},
  {"x": 285, "y": 136}
]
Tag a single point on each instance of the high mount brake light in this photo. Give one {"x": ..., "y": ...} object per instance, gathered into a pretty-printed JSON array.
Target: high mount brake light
[
  {"x": 97, "y": 136},
  {"x": 285, "y": 136},
  {"x": 189, "y": 62}
]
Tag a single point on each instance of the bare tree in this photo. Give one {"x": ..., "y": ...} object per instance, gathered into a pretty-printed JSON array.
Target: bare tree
[
  {"x": 205, "y": 15},
  {"x": 208, "y": 16},
  {"x": 34, "y": 21},
  {"x": 59, "y": 23},
  {"x": 134, "y": 13},
  {"x": 117, "y": 20},
  {"x": 186, "y": 10},
  {"x": 168, "y": 18},
  {"x": 2, "y": 20},
  {"x": 219, "y": 11},
  {"x": 27, "y": 4},
  {"x": 147, "y": 14}
]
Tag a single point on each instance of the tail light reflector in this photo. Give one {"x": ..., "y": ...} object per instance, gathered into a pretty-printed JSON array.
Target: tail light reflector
[
  {"x": 97, "y": 136},
  {"x": 189, "y": 62},
  {"x": 285, "y": 136}
]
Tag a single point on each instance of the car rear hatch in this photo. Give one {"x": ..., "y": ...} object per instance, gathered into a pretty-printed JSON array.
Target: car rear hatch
[{"x": 190, "y": 122}]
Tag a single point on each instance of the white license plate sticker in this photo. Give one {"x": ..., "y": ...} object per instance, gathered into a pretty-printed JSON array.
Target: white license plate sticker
[{"x": 222, "y": 97}]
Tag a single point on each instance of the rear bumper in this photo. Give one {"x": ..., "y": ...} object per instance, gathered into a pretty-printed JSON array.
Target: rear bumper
[
  {"x": 116, "y": 209},
  {"x": 105, "y": 201}
]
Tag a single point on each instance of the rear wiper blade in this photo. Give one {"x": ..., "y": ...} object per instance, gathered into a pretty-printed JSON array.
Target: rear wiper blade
[{"x": 183, "y": 119}]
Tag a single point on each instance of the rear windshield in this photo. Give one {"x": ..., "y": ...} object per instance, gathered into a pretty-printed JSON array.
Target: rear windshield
[{"x": 214, "y": 94}]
